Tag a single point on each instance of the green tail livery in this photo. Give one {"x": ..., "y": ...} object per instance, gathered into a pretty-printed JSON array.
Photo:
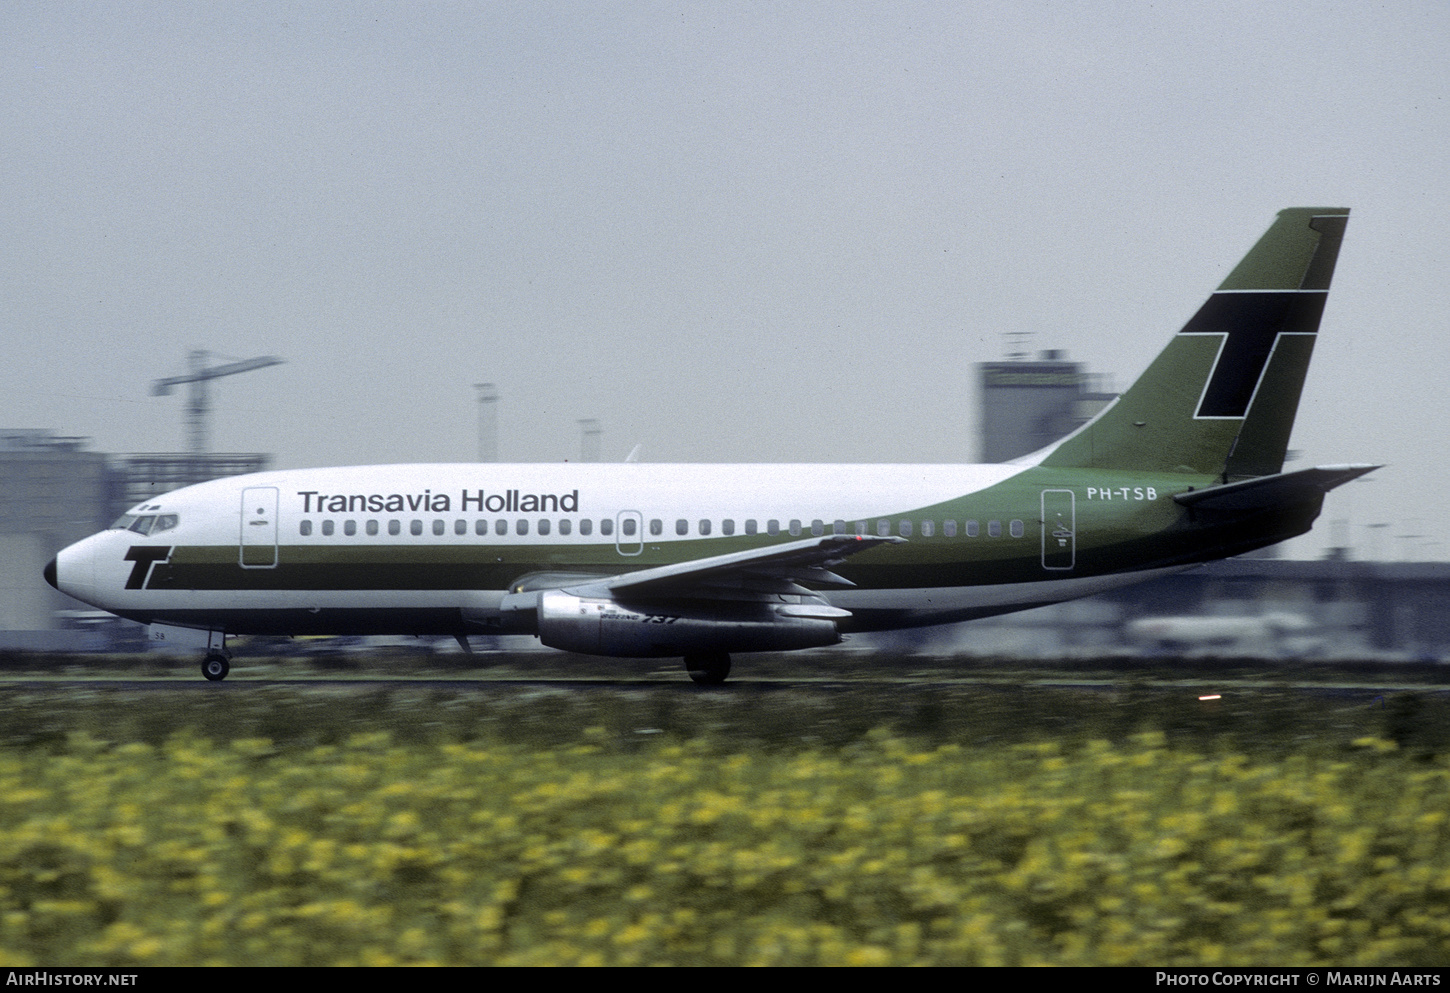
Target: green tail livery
[{"x": 702, "y": 561}]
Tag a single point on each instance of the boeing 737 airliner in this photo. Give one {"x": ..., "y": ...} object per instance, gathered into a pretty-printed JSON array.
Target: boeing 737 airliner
[{"x": 699, "y": 561}]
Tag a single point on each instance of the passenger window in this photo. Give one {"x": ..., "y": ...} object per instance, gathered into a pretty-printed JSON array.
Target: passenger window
[
  {"x": 543, "y": 525},
  {"x": 500, "y": 526},
  {"x": 994, "y": 529},
  {"x": 905, "y": 528},
  {"x": 566, "y": 526},
  {"x": 883, "y": 527},
  {"x": 606, "y": 527},
  {"x": 704, "y": 528},
  {"x": 972, "y": 529},
  {"x": 656, "y": 526},
  {"x": 395, "y": 527},
  {"x": 372, "y": 527},
  {"x": 949, "y": 528},
  {"x": 795, "y": 528},
  {"x": 838, "y": 527},
  {"x": 586, "y": 527},
  {"x": 327, "y": 527},
  {"x": 439, "y": 525},
  {"x": 750, "y": 526},
  {"x": 416, "y": 527},
  {"x": 772, "y": 527},
  {"x": 305, "y": 528},
  {"x": 523, "y": 527},
  {"x": 349, "y": 528},
  {"x": 480, "y": 526},
  {"x": 818, "y": 527},
  {"x": 928, "y": 528},
  {"x": 460, "y": 526},
  {"x": 863, "y": 527},
  {"x": 682, "y": 526},
  {"x": 727, "y": 526},
  {"x": 1017, "y": 529},
  {"x": 628, "y": 527}
]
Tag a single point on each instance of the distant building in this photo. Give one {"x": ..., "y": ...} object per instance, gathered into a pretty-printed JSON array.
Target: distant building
[
  {"x": 54, "y": 491},
  {"x": 141, "y": 476},
  {"x": 1028, "y": 404}
]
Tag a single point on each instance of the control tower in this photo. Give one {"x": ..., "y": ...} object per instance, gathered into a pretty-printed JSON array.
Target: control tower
[{"x": 1030, "y": 403}]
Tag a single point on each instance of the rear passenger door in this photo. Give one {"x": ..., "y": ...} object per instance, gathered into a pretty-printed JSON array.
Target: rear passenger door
[{"x": 1059, "y": 529}]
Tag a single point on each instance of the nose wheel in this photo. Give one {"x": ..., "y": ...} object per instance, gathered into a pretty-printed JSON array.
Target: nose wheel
[{"x": 215, "y": 666}]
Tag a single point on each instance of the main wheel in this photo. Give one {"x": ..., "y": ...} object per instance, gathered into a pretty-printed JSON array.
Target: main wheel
[
  {"x": 708, "y": 668},
  {"x": 215, "y": 666}
]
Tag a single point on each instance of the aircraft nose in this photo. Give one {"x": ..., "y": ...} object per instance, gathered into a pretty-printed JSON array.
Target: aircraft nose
[{"x": 73, "y": 569}]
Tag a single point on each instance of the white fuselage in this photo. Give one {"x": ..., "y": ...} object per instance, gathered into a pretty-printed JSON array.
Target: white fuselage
[{"x": 380, "y": 540}]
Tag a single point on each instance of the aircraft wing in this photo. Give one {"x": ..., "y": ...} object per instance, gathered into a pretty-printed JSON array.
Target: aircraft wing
[
  {"x": 776, "y": 568},
  {"x": 1277, "y": 490}
]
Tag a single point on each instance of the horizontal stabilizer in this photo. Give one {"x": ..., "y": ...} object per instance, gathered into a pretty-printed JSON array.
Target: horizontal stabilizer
[{"x": 1266, "y": 492}]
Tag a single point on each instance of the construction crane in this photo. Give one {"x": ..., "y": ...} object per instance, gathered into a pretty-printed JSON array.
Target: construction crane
[{"x": 198, "y": 403}]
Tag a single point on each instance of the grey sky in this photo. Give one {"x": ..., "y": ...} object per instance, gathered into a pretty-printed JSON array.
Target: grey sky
[{"x": 730, "y": 231}]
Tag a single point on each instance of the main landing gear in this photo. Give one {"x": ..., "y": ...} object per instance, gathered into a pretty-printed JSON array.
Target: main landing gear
[
  {"x": 215, "y": 666},
  {"x": 708, "y": 668}
]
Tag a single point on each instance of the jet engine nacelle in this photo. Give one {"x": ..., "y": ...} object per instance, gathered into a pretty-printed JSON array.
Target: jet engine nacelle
[{"x": 597, "y": 626}]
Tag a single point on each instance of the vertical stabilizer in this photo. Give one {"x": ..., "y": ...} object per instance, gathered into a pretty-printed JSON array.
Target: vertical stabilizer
[{"x": 1220, "y": 399}]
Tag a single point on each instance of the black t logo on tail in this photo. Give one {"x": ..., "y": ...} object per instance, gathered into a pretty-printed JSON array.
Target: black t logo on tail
[
  {"x": 1250, "y": 323},
  {"x": 145, "y": 556}
]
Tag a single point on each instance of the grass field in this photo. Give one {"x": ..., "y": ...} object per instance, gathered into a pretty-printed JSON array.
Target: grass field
[{"x": 826, "y": 825}]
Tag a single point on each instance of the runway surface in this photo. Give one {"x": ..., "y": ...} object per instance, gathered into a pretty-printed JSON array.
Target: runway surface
[{"x": 1389, "y": 677}]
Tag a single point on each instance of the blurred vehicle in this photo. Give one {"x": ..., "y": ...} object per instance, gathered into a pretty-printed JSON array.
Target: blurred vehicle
[{"x": 1272, "y": 634}]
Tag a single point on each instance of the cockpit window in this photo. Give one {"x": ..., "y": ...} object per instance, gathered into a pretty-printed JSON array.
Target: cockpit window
[{"x": 146, "y": 523}]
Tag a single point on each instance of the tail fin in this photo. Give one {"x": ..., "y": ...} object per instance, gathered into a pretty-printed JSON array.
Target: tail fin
[{"x": 1220, "y": 399}]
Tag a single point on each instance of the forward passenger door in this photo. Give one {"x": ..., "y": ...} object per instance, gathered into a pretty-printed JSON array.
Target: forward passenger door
[{"x": 259, "y": 528}]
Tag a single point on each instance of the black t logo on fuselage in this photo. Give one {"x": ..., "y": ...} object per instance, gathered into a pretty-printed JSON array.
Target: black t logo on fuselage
[{"x": 145, "y": 556}]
